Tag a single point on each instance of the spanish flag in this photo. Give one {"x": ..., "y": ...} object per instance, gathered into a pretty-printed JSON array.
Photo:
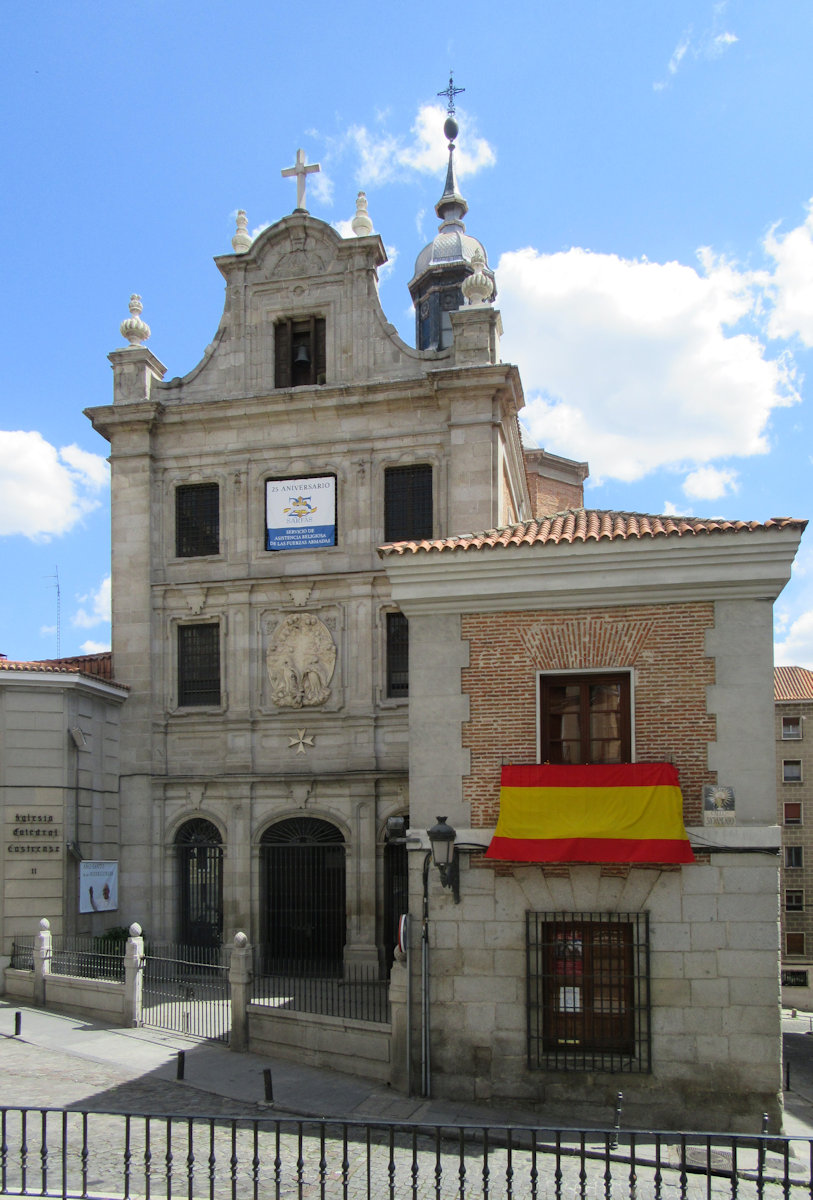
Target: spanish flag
[{"x": 597, "y": 813}]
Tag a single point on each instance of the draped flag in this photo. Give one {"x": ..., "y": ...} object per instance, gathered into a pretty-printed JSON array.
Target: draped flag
[{"x": 596, "y": 813}]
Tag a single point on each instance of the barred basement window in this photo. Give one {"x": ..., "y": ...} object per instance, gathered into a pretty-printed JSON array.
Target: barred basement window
[
  {"x": 397, "y": 655},
  {"x": 585, "y": 718},
  {"x": 197, "y": 519},
  {"x": 299, "y": 352},
  {"x": 408, "y": 503},
  {"x": 198, "y": 665},
  {"x": 588, "y": 991}
]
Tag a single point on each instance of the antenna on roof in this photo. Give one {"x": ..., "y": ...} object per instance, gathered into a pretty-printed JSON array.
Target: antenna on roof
[{"x": 55, "y": 576}]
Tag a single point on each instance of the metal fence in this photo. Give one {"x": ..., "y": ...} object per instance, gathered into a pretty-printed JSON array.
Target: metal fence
[
  {"x": 74, "y": 955},
  {"x": 186, "y": 989},
  {"x": 22, "y": 951},
  {"x": 71, "y": 1153},
  {"x": 356, "y": 990}
]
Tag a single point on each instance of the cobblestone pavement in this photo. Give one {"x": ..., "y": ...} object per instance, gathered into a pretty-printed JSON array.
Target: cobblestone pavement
[{"x": 218, "y": 1146}]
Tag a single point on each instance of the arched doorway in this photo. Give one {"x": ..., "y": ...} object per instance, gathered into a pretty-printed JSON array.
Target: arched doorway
[
  {"x": 303, "y": 891},
  {"x": 199, "y": 849}
]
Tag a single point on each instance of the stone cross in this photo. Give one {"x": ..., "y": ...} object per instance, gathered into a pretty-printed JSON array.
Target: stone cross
[{"x": 300, "y": 170}]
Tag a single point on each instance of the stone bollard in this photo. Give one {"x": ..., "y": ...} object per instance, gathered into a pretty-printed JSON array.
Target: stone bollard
[
  {"x": 133, "y": 977},
  {"x": 240, "y": 976},
  {"x": 42, "y": 960}
]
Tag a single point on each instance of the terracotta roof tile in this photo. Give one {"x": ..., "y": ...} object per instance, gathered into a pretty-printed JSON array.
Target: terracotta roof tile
[
  {"x": 98, "y": 666},
  {"x": 586, "y": 525},
  {"x": 792, "y": 683}
]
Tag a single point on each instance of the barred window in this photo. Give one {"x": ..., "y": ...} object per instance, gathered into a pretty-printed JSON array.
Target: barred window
[
  {"x": 585, "y": 718},
  {"x": 408, "y": 503},
  {"x": 197, "y": 519},
  {"x": 588, "y": 991},
  {"x": 198, "y": 664},
  {"x": 397, "y": 655}
]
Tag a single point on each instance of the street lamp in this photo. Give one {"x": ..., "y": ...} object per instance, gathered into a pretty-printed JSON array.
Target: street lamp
[{"x": 442, "y": 840}]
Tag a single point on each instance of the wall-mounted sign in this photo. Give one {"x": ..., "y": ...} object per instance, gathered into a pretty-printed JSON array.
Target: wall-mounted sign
[
  {"x": 34, "y": 833},
  {"x": 300, "y": 513},
  {"x": 98, "y": 886},
  {"x": 718, "y": 805}
]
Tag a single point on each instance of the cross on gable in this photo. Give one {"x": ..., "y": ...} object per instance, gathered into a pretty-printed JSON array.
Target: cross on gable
[
  {"x": 301, "y": 169},
  {"x": 450, "y": 92}
]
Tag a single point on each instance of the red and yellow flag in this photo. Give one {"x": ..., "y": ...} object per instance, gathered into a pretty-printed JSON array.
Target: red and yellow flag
[{"x": 597, "y": 813}]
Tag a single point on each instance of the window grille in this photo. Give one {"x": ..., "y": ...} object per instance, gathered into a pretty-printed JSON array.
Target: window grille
[
  {"x": 408, "y": 503},
  {"x": 588, "y": 991},
  {"x": 197, "y": 520},
  {"x": 585, "y": 718},
  {"x": 397, "y": 655},
  {"x": 198, "y": 664}
]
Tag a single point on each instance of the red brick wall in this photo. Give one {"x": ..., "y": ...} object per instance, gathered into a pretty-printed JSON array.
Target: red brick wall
[{"x": 663, "y": 644}]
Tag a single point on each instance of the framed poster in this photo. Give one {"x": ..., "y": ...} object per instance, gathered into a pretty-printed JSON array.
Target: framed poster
[
  {"x": 300, "y": 514},
  {"x": 98, "y": 886}
]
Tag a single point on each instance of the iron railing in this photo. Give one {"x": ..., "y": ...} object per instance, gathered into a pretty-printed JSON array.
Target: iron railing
[
  {"x": 359, "y": 991},
  {"x": 53, "y": 1152},
  {"x": 186, "y": 989},
  {"x": 22, "y": 951},
  {"x": 75, "y": 955}
]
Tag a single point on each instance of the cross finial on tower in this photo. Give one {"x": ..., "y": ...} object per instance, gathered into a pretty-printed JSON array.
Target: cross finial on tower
[
  {"x": 450, "y": 92},
  {"x": 301, "y": 169}
]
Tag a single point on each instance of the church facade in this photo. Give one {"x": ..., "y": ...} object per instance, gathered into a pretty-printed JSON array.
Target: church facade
[{"x": 313, "y": 645}]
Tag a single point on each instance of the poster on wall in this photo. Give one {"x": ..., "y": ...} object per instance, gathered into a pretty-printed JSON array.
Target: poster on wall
[
  {"x": 98, "y": 886},
  {"x": 300, "y": 513}
]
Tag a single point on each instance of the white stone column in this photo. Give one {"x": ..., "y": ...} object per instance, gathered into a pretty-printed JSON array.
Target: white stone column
[
  {"x": 240, "y": 976},
  {"x": 42, "y": 960},
  {"x": 361, "y": 881},
  {"x": 133, "y": 977}
]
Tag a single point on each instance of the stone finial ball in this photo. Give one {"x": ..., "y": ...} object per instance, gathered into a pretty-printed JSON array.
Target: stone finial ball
[
  {"x": 45, "y": 923},
  {"x": 240, "y": 940},
  {"x": 451, "y": 128},
  {"x": 135, "y": 929}
]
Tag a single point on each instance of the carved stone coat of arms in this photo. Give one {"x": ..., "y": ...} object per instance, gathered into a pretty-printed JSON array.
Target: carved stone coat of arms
[{"x": 301, "y": 659}]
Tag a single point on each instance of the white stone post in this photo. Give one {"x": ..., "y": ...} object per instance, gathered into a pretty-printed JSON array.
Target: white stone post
[
  {"x": 133, "y": 977},
  {"x": 240, "y": 976},
  {"x": 42, "y": 960},
  {"x": 400, "y": 1068}
]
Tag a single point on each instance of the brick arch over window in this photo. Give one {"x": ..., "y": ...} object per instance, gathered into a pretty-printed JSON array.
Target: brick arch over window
[{"x": 564, "y": 644}]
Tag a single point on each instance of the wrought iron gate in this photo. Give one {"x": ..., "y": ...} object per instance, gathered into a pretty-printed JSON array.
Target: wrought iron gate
[
  {"x": 200, "y": 883},
  {"x": 303, "y": 887},
  {"x": 186, "y": 989}
]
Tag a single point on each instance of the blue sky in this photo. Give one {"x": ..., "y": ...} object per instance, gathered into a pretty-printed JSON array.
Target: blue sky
[{"x": 640, "y": 174}]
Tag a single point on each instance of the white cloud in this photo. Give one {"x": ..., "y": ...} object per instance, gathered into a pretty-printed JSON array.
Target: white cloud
[
  {"x": 633, "y": 364},
  {"x": 45, "y": 492},
  {"x": 94, "y": 647},
  {"x": 99, "y": 607},
  {"x": 796, "y": 647},
  {"x": 344, "y": 228},
  {"x": 711, "y": 43},
  {"x": 384, "y": 157},
  {"x": 710, "y": 483},
  {"x": 792, "y": 281}
]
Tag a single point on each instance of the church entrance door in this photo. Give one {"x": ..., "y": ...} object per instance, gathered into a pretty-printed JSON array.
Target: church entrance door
[
  {"x": 303, "y": 890},
  {"x": 200, "y": 869}
]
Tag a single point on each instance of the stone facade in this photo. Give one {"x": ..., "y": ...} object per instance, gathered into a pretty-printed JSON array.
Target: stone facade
[
  {"x": 59, "y": 782},
  {"x": 697, "y": 645},
  {"x": 794, "y": 780}
]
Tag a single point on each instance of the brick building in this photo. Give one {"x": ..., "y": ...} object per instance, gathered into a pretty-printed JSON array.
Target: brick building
[
  {"x": 603, "y": 637},
  {"x": 793, "y": 692}
]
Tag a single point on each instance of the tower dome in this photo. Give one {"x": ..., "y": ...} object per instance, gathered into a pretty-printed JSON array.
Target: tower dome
[{"x": 442, "y": 266}]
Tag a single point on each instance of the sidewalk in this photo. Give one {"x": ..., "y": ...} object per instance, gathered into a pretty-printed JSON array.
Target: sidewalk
[{"x": 65, "y": 1061}]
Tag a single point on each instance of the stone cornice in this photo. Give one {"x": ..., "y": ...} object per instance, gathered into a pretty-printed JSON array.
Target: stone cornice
[{"x": 745, "y": 565}]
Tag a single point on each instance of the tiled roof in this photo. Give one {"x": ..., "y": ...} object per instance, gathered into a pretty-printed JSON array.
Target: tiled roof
[
  {"x": 792, "y": 683},
  {"x": 589, "y": 525},
  {"x": 99, "y": 666}
]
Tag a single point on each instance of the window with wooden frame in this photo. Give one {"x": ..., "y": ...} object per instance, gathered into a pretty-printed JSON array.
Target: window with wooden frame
[
  {"x": 199, "y": 665},
  {"x": 791, "y": 729},
  {"x": 197, "y": 519},
  {"x": 793, "y": 812},
  {"x": 792, "y": 770},
  {"x": 794, "y": 943},
  {"x": 408, "y": 503},
  {"x": 794, "y": 900},
  {"x": 300, "y": 351},
  {"x": 397, "y": 655},
  {"x": 585, "y": 718},
  {"x": 588, "y": 991}
]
